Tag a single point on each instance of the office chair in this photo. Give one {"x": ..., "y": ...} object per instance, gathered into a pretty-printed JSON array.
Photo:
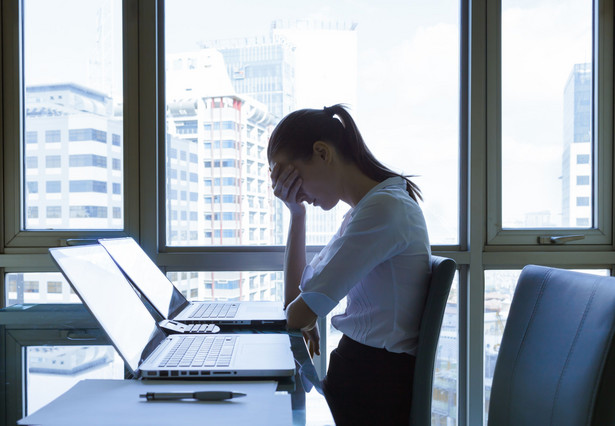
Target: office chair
[
  {"x": 556, "y": 364},
  {"x": 442, "y": 273}
]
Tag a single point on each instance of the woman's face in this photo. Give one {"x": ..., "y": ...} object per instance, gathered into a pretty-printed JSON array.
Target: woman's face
[{"x": 319, "y": 183}]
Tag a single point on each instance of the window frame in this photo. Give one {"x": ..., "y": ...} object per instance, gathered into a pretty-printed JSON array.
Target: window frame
[
  {"x": 482, "y": 245},
  {"x": 602, "y": 136},
  {"x": 15, "y": 237}
]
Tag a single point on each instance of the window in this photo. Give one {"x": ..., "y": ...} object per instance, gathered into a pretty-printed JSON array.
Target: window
[
  {"x": 582, "y": 158},
  {"x": 503, "y": 140},
  {"x": 53, "y": 186},
  {"x": 559, "y": 85},
  {"x": 87, "y": 135},
  {"x": 31, "y": 137},
  {"x": 54, "y": 287},
  {"x": 53, "y": 161},
  {"x": 88, "y": 211},
  {"x": 31, "y": 162},
  {"x": 54, "y": 212},
  {"x": 88, "y": 186},
  {"x": 582, "y": 201},
  {"x": 117, "y": 188},
  {"x": 74, "y": 106},
  {"x": 52, "y": 136},
  {"x": 87, "y": 160},
  {"x": 582, "y": 180}
]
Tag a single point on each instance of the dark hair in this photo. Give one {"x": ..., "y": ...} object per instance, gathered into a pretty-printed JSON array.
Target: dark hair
[{"x": 296, "y": 133}]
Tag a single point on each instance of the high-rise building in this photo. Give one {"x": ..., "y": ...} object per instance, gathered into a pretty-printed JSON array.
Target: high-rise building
[
  {"x": 577, "y": 156},
  {"x": 73, "y": 159},
  {"x": 218, "y": 190},
  {"x": 261, "y": 67}
]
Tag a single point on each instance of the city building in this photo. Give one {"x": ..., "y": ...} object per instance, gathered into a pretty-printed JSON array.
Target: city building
[
  {"x": 577, "y": 155},
  {"x": 218, "y": 191},
  {"x": 73, "y": 159}
]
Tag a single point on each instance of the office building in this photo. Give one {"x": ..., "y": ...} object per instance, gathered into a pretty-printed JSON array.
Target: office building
[
  {"x": 73, "y": 159},
  {"x": 577, "y": 156}
]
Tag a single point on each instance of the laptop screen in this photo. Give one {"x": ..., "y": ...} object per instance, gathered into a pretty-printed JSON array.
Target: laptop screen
[
  {"x": 112, "y": 300},
  {"x": 146, "y": 276}
]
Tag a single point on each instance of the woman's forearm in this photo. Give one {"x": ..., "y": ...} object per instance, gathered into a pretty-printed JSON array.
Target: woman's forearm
[{"x": 294, "y": 257}]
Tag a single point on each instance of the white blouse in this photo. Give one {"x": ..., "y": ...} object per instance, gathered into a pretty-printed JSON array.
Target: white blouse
[{"x": 380, "y": 260}]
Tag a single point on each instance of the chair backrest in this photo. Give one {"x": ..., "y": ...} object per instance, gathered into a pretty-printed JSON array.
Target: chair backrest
[
  {"x": 556, "y": 347},
  {"x": 442, "y": 273}
]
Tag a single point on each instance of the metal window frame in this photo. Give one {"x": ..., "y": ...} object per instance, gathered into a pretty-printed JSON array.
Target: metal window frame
[
  {"x": 602, "y": 137},
  {"x": 15, "y": 239}
]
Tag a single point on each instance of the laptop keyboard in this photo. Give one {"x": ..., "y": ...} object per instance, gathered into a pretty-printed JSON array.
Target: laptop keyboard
[
  {"x": 216, "y": 310},
  {"x": 200, "y": 351}
]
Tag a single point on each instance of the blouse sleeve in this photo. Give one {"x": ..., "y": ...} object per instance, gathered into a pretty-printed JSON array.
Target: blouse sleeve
[{"x": 377, "y": 231}]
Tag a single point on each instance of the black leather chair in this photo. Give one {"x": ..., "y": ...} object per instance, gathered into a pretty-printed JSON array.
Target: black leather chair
[
  {"x": 556, "y": 364},
  {"x": 442, "y": 273}
]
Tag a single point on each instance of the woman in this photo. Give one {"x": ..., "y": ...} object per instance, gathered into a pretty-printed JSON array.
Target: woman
[{"x": 379, "y": 259}]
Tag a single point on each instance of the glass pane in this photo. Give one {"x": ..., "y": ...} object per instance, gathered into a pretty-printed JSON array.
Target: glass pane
[
  {"x": 52, "y": 370},
  {"x": 446, "y": 369},
  {"x": 38, "y": 287},
  {"x": 231, "y": 77},
  {"x": 499, "y": 290},
  {"x": 221, "y": 285},
  {"x": 72, "y": 169},
  {"x": 546, "y": 114}
]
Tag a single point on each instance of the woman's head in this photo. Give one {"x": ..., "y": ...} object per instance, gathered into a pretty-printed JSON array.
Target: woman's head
[{"x": 294, "y": 138}]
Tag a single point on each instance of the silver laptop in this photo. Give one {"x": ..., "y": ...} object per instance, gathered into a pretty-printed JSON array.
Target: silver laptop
[
  {"x": 148, "y": 352},
  {"x": 172, "y": 305}
]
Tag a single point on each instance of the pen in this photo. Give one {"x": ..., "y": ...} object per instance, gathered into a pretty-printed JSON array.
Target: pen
[{"x": 199, "y": 396}]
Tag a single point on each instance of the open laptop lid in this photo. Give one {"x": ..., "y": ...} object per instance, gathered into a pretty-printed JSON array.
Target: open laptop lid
[
  {"x": 111, "y": 299},
  {"x": 151, "y": 282}
]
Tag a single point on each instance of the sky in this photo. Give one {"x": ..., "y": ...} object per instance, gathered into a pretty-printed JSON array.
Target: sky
[{"x": 406, "y": 102}]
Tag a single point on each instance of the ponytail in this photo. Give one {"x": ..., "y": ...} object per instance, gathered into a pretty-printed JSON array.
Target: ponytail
[{"x": 297, "y": 132}]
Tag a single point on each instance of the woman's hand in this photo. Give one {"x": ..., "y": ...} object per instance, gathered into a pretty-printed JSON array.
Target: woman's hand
[
  {"x": 286, "y": 184},
  {"x": 312, "y": 339}
]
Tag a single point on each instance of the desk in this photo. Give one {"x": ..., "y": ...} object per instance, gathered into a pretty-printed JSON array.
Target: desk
[{"x": 72, "y": 324}]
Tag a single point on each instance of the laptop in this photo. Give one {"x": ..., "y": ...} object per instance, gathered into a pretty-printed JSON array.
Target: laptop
[
  {"x": 172, "y": 305},
  {"x": 146, "y": 349}
]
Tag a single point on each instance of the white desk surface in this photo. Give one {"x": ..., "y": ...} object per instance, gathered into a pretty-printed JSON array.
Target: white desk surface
[{"x": 117, "y": 402}]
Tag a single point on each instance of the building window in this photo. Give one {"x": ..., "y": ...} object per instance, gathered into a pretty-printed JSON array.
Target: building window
[
  {"x": 53, "y": 161},
  {"x": 87, "y": 160},
  {"x": 78, "y": 135},
  {"x": 116, "y": 164},
  {"x": 53, "y": 186},
  {"x": 33, "y": 212},
  {"x": 116, "y": 139},
  {"x": 30, "y": 287},
  {"x": 52, "y": 136},
  {"x": 117, "y": 213},
  {"x": 88, "y": 186},
  {"x": 31, "y": 162},
  {"x": 117, "y": 188},
  {"x": 31, "y": 137},
  {"x": 54, "y": 212},
  {"x": 582, "y": 180},
  {"x": 32, "y": 187},
  {"x": 54, "y": 287},
  {"x": 582, "y": 201},
  {"x": 582, "y": 158},
  {"x": 88, "y": 211}
]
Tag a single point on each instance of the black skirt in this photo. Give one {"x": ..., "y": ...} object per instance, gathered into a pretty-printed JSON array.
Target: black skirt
[{"x": 368, "y": 386}]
